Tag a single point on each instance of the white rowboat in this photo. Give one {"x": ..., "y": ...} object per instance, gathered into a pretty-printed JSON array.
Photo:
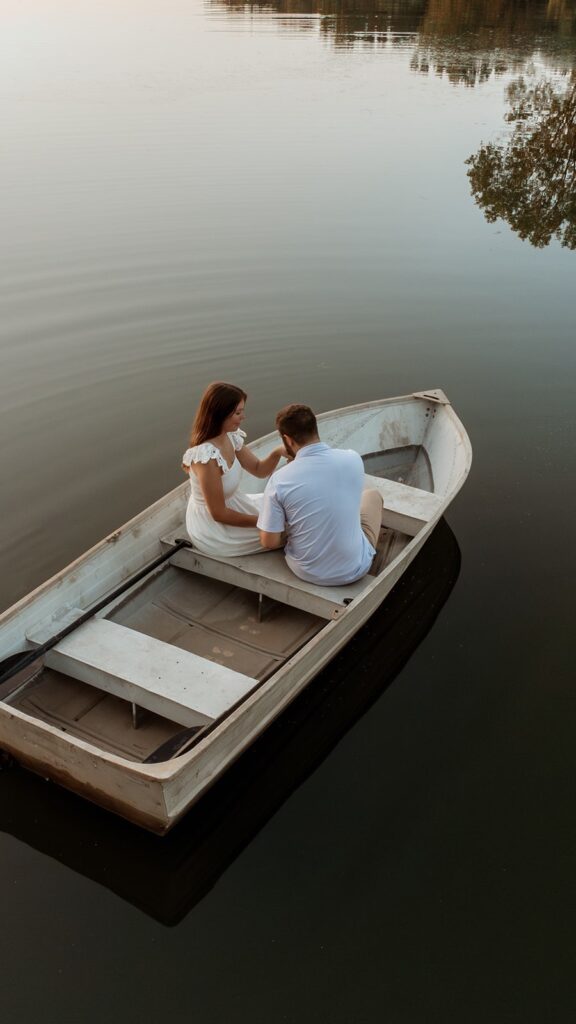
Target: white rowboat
[{"x": 143, "y": 706}]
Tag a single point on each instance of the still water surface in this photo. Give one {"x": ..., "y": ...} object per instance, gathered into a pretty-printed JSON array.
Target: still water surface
[{"x": 278, "y": 194}]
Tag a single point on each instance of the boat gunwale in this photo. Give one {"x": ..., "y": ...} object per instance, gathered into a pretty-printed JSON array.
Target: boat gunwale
[{"x": 375, "y": 403}]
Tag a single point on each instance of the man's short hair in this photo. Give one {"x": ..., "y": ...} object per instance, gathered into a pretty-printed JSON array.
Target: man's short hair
[{"x": 298, "y": 422}]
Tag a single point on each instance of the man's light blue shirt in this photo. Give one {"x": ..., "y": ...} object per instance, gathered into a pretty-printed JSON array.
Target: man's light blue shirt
[{"x": 316, "y": 498}]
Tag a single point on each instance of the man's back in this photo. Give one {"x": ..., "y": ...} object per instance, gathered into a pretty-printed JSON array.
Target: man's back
[{"x": 317, "y": 499}]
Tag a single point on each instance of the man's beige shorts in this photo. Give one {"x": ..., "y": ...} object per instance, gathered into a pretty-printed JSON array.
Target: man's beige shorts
[{"x": 371, "y": 514}]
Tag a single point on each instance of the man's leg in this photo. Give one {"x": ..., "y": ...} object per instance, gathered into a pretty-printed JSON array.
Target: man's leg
[{"x": 371, "y": 514}]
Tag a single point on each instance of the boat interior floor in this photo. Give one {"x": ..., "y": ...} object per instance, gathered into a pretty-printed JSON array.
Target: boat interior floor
[
  {"x": 90, "y": 714},
  {"x": 215, "y": 621},
  {"x": 409, "y": 465},
  {"x": 218, "y": 622}
]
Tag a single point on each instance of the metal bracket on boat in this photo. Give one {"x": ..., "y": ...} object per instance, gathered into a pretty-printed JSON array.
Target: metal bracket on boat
[
  {"x": 435, "y": 395},
  {"x": 137, "y": 715}
]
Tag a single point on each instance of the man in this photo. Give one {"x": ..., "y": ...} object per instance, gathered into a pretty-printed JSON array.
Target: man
[{"x": 318, "y": 500}]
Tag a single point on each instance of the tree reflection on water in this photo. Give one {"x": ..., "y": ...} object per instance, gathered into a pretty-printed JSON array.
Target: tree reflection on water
[
  {"x": 465, "y": 40},
  {"x": 530, "y": 180},
  {"x": 470, "y": 41}
]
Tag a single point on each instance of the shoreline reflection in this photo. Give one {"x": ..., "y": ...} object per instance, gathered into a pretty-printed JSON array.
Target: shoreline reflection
[{"x": 466, "y": 42}]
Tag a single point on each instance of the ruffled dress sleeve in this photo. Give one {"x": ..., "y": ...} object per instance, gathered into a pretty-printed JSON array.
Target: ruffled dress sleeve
[
  {"x": 203, "y": 453},
  {"x": 238, "y": 437}
]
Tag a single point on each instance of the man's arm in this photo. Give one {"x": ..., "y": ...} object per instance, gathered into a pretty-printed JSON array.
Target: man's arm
[{"x": 271, "y": 521}]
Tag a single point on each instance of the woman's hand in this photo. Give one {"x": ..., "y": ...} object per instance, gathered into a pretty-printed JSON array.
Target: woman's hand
[{"x": 284, "y": 453}]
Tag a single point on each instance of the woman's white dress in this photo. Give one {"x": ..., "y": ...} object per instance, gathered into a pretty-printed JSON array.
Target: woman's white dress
[{"x": 208, "y": 536}]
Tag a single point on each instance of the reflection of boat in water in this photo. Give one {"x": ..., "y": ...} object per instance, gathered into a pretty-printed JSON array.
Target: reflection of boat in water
[{"x": 166, "y": 879}]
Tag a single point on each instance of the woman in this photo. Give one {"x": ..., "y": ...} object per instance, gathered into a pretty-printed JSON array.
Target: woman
[{"x": 221, "y": 519}]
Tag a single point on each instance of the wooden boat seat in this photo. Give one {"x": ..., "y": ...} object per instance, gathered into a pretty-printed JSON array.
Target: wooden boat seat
[
  {"x": 268, "y": 574},
  {"x": 406, "y": 509},
  {"x": 155, "y": 675}
]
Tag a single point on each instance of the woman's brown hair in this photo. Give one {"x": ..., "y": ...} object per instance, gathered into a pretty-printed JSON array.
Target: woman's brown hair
[{"x": 217, "y": 403}]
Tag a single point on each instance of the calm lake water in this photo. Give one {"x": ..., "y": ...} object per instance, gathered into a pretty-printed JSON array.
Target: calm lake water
[{"x": 278, "y": 194}]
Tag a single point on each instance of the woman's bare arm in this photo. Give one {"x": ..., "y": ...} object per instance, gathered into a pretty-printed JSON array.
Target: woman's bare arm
[
  {"x": 210, "y": 480},
  {"x": 260, "y": 468}
]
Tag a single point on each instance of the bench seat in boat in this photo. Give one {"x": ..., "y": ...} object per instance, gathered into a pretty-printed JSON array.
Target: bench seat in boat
[
  {"x": 406, "y": 509},
  {"x": 155, "y": 675},
  {"x": 268, "y": 574}
]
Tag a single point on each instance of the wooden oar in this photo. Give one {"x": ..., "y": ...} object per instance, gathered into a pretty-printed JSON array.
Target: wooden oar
[{"x": 22, "y": 659}]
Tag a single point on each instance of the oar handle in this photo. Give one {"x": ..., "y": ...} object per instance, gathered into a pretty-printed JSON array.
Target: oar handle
[{"x": 29, "y": 656}]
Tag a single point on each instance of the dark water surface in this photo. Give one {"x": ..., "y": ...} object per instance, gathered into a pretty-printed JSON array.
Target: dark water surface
[{"x": 278, "y": 194}]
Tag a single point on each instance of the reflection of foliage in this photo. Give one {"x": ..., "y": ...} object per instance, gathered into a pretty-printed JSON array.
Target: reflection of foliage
[
  {"x": 530, "y": 181},
  {"x": 466, "y": 40},
  {"x": 563, "y": 12},
  {"x": 348, "y": 23},
  {"x": 469, "y": 42}
]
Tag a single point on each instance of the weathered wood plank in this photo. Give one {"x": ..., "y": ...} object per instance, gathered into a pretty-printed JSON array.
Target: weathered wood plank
[
  {"x": 155, "y": 675},
  {"x": 268, "y": 574},
  {"x": 407, "y": 509}
]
